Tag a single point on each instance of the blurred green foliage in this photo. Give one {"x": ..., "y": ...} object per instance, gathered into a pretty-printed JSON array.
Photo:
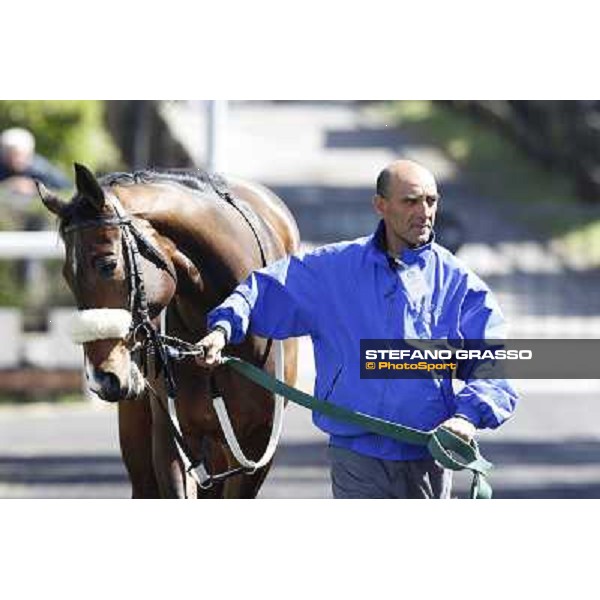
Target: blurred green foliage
[
  {"x": 11, "y": 289},
  {"x": 65, "y": 130},
  {"x": 492, "y": 163}
]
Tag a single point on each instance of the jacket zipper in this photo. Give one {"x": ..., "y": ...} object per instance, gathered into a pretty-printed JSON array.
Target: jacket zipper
[{"x": 334, "y": 381}]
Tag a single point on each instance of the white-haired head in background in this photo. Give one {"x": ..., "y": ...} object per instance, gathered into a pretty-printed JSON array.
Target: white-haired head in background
[
  {"x": 17, "y": 148},
  {"x": 17, "y": 137}
]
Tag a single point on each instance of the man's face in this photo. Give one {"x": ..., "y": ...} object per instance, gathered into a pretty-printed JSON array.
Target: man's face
[
  {"x": 16, "y": 159},
  {"x": 409, "y": 210}
]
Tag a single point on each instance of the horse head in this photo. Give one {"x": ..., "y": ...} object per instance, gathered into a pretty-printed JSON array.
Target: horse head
[{"x": 121, "y": 274}]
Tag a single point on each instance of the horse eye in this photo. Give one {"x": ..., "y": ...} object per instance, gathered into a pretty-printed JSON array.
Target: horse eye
[{"x": 106, "y": 266}]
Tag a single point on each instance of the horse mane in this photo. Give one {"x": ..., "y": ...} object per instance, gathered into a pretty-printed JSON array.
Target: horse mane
[{"x": 196, "y": 179}]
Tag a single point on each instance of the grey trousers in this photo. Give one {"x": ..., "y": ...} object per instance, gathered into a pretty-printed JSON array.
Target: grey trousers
[{"x": 357, "y": 476}]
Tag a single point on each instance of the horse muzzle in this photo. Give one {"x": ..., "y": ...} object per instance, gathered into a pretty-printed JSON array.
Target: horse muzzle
[{"x": 110, "y": 388}]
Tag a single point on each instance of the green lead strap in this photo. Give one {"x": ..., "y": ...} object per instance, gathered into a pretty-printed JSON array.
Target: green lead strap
[{"x": 447, "y": 449}]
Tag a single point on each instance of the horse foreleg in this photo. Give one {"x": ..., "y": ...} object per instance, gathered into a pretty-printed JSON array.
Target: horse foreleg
[{"x": 135, "y": 428}]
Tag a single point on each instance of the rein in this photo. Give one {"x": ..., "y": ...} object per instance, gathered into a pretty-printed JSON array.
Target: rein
[{"x": 449, "y": 450}]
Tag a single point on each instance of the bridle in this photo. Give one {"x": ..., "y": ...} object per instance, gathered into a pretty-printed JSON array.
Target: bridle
[{"x": 143, "y": 337}]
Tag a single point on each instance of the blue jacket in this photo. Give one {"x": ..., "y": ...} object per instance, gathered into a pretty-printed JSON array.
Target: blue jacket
[{"x": 343, "y": 292}]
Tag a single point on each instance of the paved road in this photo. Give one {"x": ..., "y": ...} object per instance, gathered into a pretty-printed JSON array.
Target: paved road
[
  {"x": 72, "y": 452},
  {"x": 550, "y": 450},
  {"x": 321, "y": 158}
]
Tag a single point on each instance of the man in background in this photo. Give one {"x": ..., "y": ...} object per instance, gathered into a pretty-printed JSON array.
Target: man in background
[{"x": 20, "y": 166}]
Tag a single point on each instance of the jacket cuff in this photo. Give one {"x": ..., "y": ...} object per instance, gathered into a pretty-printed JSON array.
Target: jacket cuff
[
  {"x": 225, "y": 327},
  {"x": 469, "y": 413}
]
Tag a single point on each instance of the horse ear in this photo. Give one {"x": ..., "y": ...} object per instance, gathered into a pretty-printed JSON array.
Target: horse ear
[
  {"x": 88, "y": 186},
  {"x": 51, "y": 201}
]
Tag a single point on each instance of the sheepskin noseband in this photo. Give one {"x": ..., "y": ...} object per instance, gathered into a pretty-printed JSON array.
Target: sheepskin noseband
[{"x": 99, "y": 324}]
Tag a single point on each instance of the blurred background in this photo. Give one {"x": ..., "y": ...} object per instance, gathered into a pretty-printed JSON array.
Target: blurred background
[{"x": 520, "y": 182}]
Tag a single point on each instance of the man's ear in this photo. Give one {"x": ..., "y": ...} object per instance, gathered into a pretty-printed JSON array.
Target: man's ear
[{"x": 379, "y": 203}]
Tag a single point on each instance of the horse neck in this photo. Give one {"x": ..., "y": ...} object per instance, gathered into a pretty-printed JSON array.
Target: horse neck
[{"x": 209, "y": 242}]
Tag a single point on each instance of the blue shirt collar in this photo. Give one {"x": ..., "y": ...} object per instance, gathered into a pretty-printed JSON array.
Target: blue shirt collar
[{"x": 408, "y": 256}]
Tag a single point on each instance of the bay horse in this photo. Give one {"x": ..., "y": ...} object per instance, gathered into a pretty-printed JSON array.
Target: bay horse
[{"x": 167, "y": 246}]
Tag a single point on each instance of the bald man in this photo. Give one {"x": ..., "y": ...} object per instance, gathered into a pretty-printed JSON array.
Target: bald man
[{"x": 395, "y": 284}]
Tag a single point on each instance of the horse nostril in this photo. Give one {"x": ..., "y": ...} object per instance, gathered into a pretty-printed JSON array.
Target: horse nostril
[{"x": 110, "y": 387}]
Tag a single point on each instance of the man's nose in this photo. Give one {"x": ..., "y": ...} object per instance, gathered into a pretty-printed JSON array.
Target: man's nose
[{"x": 423, "y": 209}]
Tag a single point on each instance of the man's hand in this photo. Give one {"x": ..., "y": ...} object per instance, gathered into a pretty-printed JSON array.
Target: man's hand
[
  {"x": 212, "y": 344},
  {"x": 461, "y": 427}
]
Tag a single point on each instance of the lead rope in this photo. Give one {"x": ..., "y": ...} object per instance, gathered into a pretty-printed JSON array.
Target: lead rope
[{"x": 449, "y": 450}]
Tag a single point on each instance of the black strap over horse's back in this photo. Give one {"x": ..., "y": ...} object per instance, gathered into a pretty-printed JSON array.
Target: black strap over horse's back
[{"x": 221, "y": 188}]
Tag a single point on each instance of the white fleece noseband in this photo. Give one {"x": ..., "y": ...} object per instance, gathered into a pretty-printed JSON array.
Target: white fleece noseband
[{"x": 99, "y": 324}]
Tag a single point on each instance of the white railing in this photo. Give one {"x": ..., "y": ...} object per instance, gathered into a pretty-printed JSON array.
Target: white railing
[
  {"x": 50, "y": 349},
  {"x": 35, "y": 245}
]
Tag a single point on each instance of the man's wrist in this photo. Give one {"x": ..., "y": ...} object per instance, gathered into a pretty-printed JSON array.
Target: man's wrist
[
  {"x": 465, "y": 418},
  {"x": 224, "y": 328}
]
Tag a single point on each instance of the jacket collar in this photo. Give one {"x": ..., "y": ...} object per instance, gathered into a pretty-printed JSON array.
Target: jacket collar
[{"x": 409, "y": 256}]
